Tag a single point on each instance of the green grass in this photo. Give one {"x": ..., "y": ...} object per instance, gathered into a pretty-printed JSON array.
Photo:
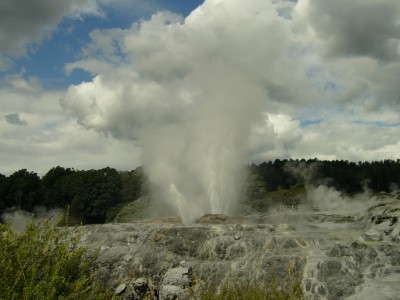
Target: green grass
[
  {"x": 289, "y": 288},
  {"x": 45, "y": 262}
]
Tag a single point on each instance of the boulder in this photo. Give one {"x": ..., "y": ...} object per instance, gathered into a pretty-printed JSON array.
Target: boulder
[
  {"x": 382, "y": 222},
  {"x": 120, "y": 289},
  {"x": 175, "y": 283}
]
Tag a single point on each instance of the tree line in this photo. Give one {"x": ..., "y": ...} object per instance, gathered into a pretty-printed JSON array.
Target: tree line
[
  {"x": 90, "y": 195},
  {"x": 95, "y": 196},
  {"x": 345, "y": 176}
]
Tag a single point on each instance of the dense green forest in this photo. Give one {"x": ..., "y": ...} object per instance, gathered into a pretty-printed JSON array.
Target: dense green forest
[
  {"x": 95, "y": 196},
  {"x": 91, "y": 195},
  {"x": 345, "y": 176}
]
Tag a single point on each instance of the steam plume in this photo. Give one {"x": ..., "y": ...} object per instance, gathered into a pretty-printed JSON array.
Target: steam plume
[
  {"x": 18, "y": 219},
  {"x": 198, "y": 163},
  {"x": 189, "y": 90}
]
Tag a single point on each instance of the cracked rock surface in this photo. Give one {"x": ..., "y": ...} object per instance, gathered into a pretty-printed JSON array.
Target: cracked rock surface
[{"x": 339, "y": 256}]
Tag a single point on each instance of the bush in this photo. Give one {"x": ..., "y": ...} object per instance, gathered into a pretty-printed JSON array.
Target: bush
[{"x": 45, "y": 262}]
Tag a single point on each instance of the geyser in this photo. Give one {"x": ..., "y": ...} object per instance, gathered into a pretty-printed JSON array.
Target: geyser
[
  {"x": 197, "y": 165},
  {"x": 188, "y": 92}
]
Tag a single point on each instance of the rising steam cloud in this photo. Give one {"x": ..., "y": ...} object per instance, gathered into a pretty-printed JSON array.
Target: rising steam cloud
[
  {"x": 19, "y": 219},
  {"x": 189, "y": 92}
]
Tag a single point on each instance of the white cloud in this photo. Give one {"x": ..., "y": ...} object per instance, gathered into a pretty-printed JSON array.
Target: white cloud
[
  {"x": 49, "y": 138},
  {"x": 28, "y": 85},
  {"x": 357, "y": 45},
  {"x": 359, "y": 28},
  {"x": 27, "y": 22}
]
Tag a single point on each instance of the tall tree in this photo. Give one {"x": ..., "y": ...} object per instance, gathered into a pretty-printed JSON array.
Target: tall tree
[
  {"x": 55, "y": 193},
  {"x": 24, "y": 190},
  {"x": 94, "y": 192}
]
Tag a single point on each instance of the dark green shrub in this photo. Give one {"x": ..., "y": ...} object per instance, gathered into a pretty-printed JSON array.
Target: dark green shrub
[{"x": 45, "y": 262}]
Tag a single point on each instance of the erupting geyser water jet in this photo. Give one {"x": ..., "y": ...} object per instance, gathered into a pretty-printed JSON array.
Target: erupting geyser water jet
[
  {"x": 197, "y": 159},
  {"x": 198, "y": 178}
]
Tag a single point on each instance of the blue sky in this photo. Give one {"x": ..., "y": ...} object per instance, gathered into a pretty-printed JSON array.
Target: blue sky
[
  {"x": 46, "y": 60},
  {"x": 120, "y": 83}
]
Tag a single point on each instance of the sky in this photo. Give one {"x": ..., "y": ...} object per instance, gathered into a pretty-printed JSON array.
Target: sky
[{"x": 86, "y": 83}]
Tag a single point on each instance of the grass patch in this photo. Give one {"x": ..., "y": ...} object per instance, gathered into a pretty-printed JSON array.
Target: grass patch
[
  {"x": 289, "y": 288},
  {"x": 45, "y": 262}
]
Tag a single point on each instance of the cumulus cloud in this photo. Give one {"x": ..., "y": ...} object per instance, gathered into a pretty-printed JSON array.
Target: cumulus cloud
[
  {"x": 22, "y": 84},
  {"x": 355, "y": 47},
  {"x": 359, "y": 28},
  {"x": 339, "y": 138},
  {"x": 50, "y": 138},
  {"x": 172, "y": 56},
  {"x": 27, "y": 22}
]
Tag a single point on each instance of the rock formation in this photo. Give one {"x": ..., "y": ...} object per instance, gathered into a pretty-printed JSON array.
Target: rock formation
[{"x": 338, "y": 256}]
